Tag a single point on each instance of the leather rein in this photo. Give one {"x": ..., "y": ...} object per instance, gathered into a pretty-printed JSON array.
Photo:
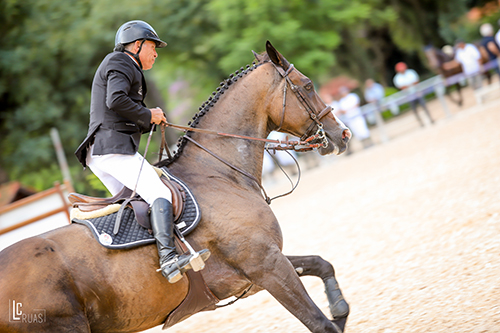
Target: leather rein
[{"x": 306, "y": 143}]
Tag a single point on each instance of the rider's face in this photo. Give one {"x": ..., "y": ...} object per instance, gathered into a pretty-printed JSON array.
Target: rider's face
[{"x": 148, "y": 55}]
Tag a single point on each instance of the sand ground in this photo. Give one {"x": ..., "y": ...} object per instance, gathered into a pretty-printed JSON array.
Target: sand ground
[{"x": 411, "y": 226}]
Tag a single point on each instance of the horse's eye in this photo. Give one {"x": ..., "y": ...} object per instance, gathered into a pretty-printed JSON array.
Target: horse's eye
[{"x": 309, "y": 86}]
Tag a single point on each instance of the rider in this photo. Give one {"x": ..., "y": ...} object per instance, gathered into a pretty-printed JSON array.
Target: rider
[{"x": 118, "y": 117}]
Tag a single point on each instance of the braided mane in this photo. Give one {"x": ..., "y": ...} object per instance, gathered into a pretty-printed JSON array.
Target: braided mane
[{"x": 206, "y": 106}]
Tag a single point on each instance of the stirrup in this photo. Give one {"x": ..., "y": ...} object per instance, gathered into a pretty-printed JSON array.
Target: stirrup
[
  {"x": 196, "y": 262},
  {"x": 175, "y": 275}
]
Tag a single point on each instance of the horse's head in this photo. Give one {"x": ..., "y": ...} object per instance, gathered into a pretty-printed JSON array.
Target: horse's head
[{"x": 297, "y": 108}]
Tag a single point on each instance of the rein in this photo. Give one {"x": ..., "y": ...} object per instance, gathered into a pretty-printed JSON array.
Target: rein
[
  {"x": 243, "y": 172},
  {"x": 307, "y": 144}
]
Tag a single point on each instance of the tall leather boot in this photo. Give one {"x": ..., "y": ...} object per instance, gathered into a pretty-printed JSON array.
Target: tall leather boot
[{"x": 172, "y": 264}]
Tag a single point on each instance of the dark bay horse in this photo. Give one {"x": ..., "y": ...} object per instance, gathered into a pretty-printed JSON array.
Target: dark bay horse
[{"x": 81, "y": 286}]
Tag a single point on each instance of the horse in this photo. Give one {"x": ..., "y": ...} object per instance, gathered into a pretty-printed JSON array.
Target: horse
[
  {"x": 444, "y": 63},
  {"x": 82, "y": 286}
]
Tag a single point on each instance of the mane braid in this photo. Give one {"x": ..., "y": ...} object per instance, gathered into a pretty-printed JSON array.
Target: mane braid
[{"x": 206, "y": 106}]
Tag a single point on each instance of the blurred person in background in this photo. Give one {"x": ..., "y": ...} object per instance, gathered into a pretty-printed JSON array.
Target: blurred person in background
[
  {"x": 497, "y": 35},
  {"x": 374, "y": 92},
  {"x": 490, "y": 45},
  {"x": 449, "y": 68},
  {"x": 350, "y": 113},
  {"x": 469, "y": 57},
  {"x": 406, "y": 79},
  {"x": 449, "y": 51},
  {"x": 329, "y": 100}
]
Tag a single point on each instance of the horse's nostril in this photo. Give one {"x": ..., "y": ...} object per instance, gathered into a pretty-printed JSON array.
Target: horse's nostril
[{"x": 346, "y": 135}]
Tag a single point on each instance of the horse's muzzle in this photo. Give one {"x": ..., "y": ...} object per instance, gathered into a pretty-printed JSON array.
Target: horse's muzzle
[{"x": 346, "y": 135}]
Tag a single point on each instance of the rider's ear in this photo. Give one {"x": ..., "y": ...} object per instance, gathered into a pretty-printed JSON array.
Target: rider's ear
[{"x": 276, "y": 57}]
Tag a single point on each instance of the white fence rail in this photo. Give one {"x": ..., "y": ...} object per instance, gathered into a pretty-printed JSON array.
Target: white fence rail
[
  {"x": 34, "y": 215},
  {"x": 436, "y": 84}
]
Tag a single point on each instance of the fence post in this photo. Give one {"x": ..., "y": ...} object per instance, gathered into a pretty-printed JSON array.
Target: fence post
[
  {"x": 380, "y": 123},
  {"x": 64, "y": 202},
  {"x": 440, "y": 90},
  {"x": 61, "y": 158}
]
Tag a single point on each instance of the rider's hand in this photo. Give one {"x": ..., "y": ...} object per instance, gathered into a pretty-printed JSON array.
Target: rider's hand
[{"x": 157, "y": 116}]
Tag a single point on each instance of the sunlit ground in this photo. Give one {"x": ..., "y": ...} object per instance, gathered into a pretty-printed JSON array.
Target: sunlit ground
[{"x": 411, "y": 227}]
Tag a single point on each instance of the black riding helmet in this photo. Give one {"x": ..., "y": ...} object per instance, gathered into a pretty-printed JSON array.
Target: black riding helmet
[{"x": 136, "y": 30}]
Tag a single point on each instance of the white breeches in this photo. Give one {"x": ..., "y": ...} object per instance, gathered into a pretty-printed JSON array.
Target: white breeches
[{"x": 117, "y": 170}]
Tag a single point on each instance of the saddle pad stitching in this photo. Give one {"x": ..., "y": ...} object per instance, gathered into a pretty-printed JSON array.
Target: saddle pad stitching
[{"x": 111, "y": 246}]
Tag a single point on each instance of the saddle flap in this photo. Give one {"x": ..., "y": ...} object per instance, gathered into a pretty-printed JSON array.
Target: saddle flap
[
  {"x": 178, "y": 196},
  {"x": 141, "y": 210}
]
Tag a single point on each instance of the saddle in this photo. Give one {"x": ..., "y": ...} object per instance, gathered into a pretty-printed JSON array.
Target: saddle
[
  {"x": 86, "y": 203},
  {"x": 122, "y": 221}
]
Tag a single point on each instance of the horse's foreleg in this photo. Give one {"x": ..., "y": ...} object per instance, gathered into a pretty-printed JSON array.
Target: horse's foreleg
[
  {"x": 317, "y": 266},
  {"x": 277, "y": 275}
]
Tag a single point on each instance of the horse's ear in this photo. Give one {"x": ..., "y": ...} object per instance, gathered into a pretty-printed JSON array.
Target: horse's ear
[
  {"x": 276, "y": 57},
  {"x": 257, "y": 56}
]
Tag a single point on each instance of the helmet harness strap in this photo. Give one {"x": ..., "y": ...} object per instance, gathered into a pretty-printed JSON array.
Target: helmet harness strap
[{"x": 136, "y": 55}]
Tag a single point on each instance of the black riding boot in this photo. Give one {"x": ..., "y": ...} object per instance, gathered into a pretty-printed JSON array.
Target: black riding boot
[{"x": 172, "y": 265}]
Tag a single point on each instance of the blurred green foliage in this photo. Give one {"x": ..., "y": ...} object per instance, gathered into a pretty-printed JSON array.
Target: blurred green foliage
[{"x": 50, "y": 49}]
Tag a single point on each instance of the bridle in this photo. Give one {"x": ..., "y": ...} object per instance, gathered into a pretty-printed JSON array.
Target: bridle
[
  {"x": 308, "y": 141},
  {"x": 320, "y": 132}
]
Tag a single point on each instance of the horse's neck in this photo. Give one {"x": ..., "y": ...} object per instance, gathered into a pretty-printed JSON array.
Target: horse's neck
[{"x": 241, "y": 110}]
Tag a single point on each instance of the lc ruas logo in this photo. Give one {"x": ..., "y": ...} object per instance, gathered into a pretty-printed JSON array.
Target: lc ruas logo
[{"x": 18, "y": 314}]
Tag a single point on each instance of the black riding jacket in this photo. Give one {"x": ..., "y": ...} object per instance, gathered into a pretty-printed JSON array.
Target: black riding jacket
[{"x": 118, "y": 115}]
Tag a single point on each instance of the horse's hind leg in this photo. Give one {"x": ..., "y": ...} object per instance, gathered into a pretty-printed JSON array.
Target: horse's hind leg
[{"x": 317, "y": 266}]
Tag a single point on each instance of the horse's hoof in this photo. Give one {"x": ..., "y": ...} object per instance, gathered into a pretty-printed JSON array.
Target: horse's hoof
[
  {"x": 338, "y": 306},
  {"x": 340, "y": 324},
  {"x": 340, "y": 309}
]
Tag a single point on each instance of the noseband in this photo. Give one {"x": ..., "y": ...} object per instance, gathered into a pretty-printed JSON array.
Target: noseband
[{"x": 320, "y": 132}]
